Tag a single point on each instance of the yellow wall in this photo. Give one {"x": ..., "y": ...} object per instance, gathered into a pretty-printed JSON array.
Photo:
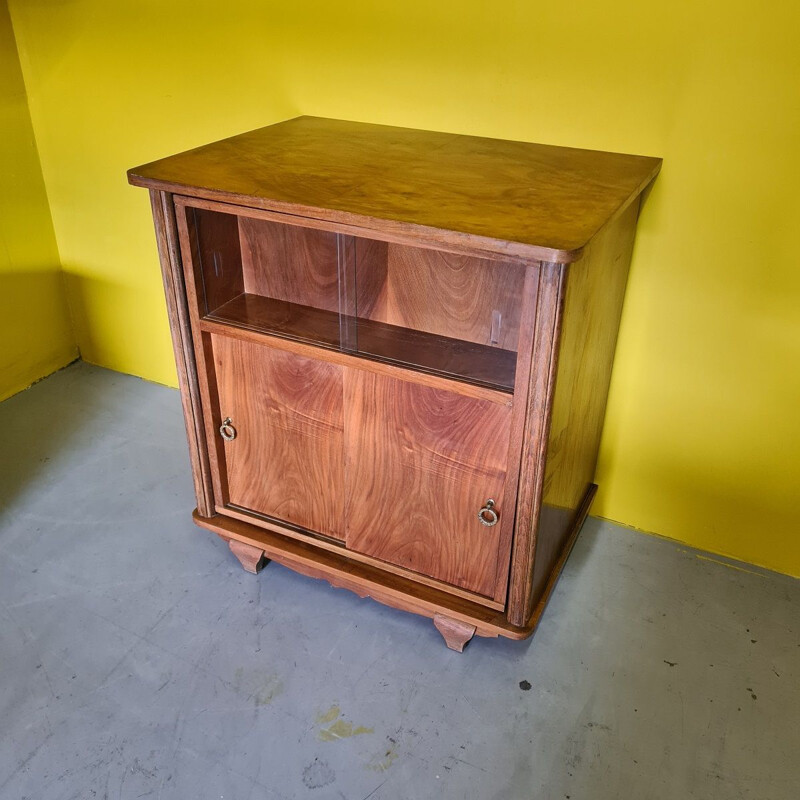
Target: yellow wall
[
  {"x": 35, "y": 331},
  {"x": 702, "y": 441}
]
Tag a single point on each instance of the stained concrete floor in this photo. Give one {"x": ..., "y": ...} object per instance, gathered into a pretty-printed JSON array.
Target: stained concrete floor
[{"x": 137, "y": 659}]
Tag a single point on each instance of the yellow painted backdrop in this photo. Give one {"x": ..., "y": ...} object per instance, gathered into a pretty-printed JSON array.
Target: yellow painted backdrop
[
  {"x": 35, "y": 331},
  {"x": 702, "y": 440}
]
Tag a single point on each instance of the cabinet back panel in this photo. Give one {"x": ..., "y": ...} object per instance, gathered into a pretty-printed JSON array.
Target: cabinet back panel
[
  {"x": 287, "y": 262},
  {"x": 420, "y": 464},
  {"x": 458, "y": 296},
  {"x": 287, "y": 458}
]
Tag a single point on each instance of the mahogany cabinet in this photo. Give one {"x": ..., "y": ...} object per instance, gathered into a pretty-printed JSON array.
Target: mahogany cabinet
[{"x": 394, "y": 349}]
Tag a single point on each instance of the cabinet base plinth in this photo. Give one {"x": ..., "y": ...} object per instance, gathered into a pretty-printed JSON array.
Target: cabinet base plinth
[
  {"x": 455, "y": 634},
  {"x": 448, "y": 611},
  {"x": 251, "y": 558}
]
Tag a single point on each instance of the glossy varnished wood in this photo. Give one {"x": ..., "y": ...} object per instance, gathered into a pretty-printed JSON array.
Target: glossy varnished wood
[
  {"x": 287, "y": 459},
  {"x": 394, "y": 323},
  {"x": 421, "y": 462},
  {"x": 455, "y": 634},
  {"x": 537, "y": 201},
  {"x": 251, "y": 558}
]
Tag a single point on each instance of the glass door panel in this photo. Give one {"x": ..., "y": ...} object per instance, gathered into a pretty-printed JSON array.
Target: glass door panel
[
  {"x": 450, "y": 314},
  {"x": 432, "y": 311},
  {"x": 266, "y": 276}
]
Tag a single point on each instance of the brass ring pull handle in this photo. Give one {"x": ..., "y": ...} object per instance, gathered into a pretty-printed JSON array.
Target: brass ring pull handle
[
  {"x": 227, "y": 431},
  {"x": 487, "y": 515}
]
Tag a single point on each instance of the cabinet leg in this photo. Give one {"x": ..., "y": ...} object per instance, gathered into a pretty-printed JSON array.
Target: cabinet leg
[
  {"x": 251, "y": 558},
  {"x": 456, "y": 634}
]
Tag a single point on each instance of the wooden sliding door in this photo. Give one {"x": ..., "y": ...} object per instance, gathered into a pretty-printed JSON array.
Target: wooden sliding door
[
  {"x": 286, "y": 456},
  {"x": 421, "y": 464}
]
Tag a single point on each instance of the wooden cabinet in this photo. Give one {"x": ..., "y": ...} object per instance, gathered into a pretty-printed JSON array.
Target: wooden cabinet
[{"x": 394, "y": 350}]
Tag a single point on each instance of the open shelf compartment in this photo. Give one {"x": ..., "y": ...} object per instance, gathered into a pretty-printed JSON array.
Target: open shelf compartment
[{"x": 436, "y": 312}]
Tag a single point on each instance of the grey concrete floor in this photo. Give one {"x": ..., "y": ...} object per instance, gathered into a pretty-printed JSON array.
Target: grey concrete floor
[{"x": 137, "y": 659}]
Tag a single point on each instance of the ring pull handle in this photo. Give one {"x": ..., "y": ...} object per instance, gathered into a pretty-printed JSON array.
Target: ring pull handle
[
  {"x": 227, "y": 431},
  {"x": 487, "y": 515}
]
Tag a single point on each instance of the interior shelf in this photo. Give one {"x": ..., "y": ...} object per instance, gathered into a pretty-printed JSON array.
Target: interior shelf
[{"x": 473, "y": 363}]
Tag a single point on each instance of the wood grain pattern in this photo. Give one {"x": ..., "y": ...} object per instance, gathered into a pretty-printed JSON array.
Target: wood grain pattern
[
  {"x": 251, "y": 558},
  {"x": 335, "y": 292},
  {"x": 287, "y": 262},
  {"x": 421, "y": 462},
  {"x": 540, "y": 201},
  {"x": 594, "y": 292},
  {"x": 178, "y": 313},
  {"x": 455, "y": 634},
  {"x": 371, "y": 265},
  {"x": 287, "y": 458},
  {"x": 471, "y": 299}
]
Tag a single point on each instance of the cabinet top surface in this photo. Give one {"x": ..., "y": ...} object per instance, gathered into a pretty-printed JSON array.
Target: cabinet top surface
[{"x": 546, "y": 201}]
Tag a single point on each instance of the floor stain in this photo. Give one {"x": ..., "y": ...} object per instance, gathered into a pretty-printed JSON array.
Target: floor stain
[
  {"x": 339, "y": 728},
  {"x": 262, "y": 686},
  {"x": 330, "y": 715},
  {"x": 599, "y": 726},
  {"x": 271, "y": 689},
  {"x": 318, "y": 774},
  {"x": 382, "y": 762}
]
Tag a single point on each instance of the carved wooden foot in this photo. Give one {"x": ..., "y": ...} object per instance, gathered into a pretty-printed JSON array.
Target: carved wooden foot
[
  {"x": 251, "y": 558},
  {"x": 456, "y": 634}
]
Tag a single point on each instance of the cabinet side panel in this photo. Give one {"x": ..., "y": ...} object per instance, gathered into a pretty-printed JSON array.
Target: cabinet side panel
[
  {"x": 595, "y": 288},
  {"x": 175, "y": 293}
]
